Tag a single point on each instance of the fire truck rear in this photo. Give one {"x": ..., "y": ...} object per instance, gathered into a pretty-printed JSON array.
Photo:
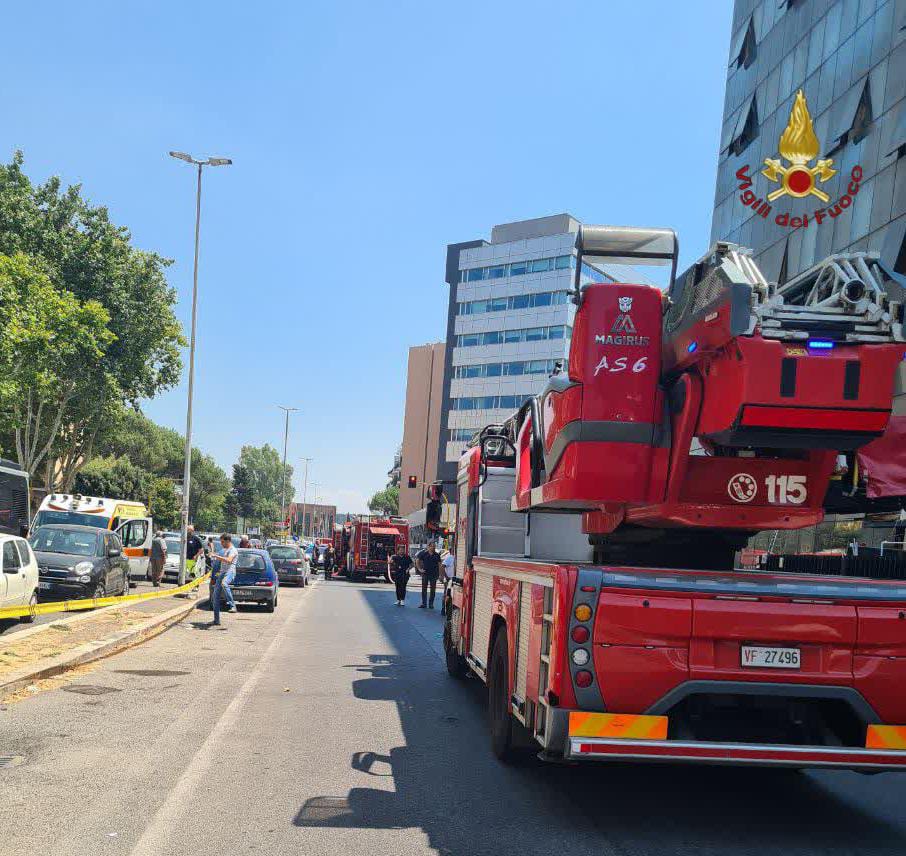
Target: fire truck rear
[
  {"x": 595, "y": 589},
  {"x": 366, "y": 543}
]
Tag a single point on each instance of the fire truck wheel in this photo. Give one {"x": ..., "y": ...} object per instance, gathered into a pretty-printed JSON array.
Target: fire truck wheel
[
  {"x": 456, "y": 665},
  {"x": 499, "y": 717}
]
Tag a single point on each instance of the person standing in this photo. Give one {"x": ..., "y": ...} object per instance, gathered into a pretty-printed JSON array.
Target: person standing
[
  {"x": 399, "y": 568},
  {"x": 447, "y": 563},
  {"x": 158, "y": 557},
  {"x": 194, "y": 548},
  {"x": 223, "y": 577},
  {"x": 428, "y": 564}
]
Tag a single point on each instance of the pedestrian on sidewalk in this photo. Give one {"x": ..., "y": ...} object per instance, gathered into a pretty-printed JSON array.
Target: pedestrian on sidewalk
[
  {"x": 223, "y": 576},
  {"x": 158, "y": 557},
  {"x": 428, "y": 564},
  {"x": 399, "y": 568}
]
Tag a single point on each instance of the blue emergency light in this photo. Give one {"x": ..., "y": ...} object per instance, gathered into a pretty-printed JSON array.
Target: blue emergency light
[
  {"x": 692, "y": 347},
  {"x": 820, "y": 344}
]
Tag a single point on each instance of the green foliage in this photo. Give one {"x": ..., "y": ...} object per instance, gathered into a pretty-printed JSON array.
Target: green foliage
[
  {"x": 210, "y": 486},
  {"x": 103, "y": 281},
  {"x": 165, "y": 503},
  {"x": 386, "y": 501},
  {"x": 264, "y": 469},
  {"x": 240, "y": 502},
  {"x": 114, "y": 477}
]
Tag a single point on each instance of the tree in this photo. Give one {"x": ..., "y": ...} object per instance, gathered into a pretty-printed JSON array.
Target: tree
[
  {"x": 240, "y": 502},
  {"x": 210, "y": 486},
  {"x": 165, "y": 505},
  {"x": 116, "y": 477},
  {"x": 266, "y": 480},
  {"x": 83, "y": 254},
  {"x": 386, "y": 501},
  {"x": 46, "y": 338}
]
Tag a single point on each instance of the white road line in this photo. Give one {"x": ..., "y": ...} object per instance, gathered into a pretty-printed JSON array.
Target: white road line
[{"x": 157, "y": 833}]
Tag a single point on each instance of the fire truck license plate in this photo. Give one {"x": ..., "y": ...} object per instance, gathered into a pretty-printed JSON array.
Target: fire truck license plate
[{"x": 757, "y": 657}]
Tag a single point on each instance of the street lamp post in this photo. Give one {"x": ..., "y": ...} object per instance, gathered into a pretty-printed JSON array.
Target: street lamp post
[
  {"x": 287, "y": 411},
  {"x": 187, "y": 469},
  {"x": 305, "y": 493},
  {"x": 314, "y": 506}
]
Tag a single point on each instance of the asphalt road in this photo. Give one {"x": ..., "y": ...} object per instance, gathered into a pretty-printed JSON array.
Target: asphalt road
[{"x": 331, "y": 727}]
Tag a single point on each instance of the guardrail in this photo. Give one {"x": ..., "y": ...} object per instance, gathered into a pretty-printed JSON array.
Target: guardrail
[{"x": 95, "y": 602}]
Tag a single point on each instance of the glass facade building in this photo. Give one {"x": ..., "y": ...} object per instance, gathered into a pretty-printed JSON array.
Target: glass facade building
[
  {"x": 509, "y": 321},
  {"x": 848, "y": 57}
]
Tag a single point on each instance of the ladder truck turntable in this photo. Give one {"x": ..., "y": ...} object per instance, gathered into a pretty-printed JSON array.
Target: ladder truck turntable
[{"x": 595, "y": 592}]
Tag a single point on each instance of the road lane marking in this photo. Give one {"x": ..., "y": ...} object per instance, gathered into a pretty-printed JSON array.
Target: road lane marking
[{"x": 155, "y": 839}]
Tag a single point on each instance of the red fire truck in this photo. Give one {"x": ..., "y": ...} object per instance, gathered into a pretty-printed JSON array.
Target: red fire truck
[
  {"x": 365, "y": 542},
  {"x": 595, "y": 589}
]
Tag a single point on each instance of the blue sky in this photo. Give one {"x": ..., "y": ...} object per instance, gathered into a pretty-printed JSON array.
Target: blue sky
[{"x": 365, "y": 137}]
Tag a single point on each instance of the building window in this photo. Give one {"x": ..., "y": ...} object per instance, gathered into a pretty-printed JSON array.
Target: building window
[
  {"x": 517, "y": 301},
  {"x": 488, "y": 402},
  {"x": 855, "y": 117},
  {"x": 535, "y": 266},
  {"x": 461, "y": 435},
  {"x": 746, "y": 130},
  {"x": 515, "y": 368},
  {"x": 498, "y": 337},
  {"x": 744, "y": 50}
]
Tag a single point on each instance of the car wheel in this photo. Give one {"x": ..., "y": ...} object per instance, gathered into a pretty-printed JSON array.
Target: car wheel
[
  {"x": 271, "y": 605},
  {"x": 32, "y": 602},
  {"x": 100, "y": 590},
  {"x": 125, "y": 589}
]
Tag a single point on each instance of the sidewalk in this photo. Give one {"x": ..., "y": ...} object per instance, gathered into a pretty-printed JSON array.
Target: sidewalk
[{"x": 49, "y": 649}]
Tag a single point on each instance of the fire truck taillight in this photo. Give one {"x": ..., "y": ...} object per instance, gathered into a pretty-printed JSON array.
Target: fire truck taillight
[
  {"x": 581, "y": 656},
  {"x": 580, "y": 635},
  {"x": 583, "y": 679}
]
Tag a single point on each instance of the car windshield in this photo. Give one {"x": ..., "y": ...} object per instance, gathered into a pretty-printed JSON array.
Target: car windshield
[
  {"x": 74, "y": 518},
  {"x": 49, "y": 539},
  {"x": 172, "y": 546},
  {"x": 285, "y": 553},
  {"x": 250, "y": 562}
]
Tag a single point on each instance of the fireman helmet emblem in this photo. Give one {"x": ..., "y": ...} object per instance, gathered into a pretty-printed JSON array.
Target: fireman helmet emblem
[
  {"x": 798, "y": 145},
  {"x": 742, "y": 487},
  {"x": 625, "y": 304}
]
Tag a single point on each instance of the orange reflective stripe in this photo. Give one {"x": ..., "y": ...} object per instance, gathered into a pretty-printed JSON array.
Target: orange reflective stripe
[
  {"x": 628, "y": 725},
  {"x": 886, "y": 737}
]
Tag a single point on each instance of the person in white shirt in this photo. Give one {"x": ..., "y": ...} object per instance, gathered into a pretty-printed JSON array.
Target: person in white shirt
[
  {"x": 223, "y": 576},
  {"x": 448, "y": 563}
]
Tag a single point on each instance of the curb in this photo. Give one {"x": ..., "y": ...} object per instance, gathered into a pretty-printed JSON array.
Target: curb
[{"x": 91, "y": 651}]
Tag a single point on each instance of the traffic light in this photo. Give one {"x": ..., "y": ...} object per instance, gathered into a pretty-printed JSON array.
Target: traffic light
[
  {"x": 413, "y": 482},
  {"x": 432, "y": 514}
]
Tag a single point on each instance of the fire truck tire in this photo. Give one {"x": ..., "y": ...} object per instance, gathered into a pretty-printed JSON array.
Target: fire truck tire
[
  {"x": 500, "y": 719},
  {"x": 456, "y": 665}
]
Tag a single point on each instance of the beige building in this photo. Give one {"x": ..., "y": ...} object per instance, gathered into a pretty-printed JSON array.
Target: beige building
[{"x": 421, "y": 424}]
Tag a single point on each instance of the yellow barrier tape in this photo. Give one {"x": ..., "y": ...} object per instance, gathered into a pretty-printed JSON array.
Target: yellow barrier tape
[{"x": 95, "y": 602}]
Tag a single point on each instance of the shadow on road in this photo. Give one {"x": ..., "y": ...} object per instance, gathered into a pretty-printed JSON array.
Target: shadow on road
[{"x": 446, "y": 782}]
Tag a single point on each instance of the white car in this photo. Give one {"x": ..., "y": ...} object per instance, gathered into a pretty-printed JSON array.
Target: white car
[{"x": 19, "y": 577}]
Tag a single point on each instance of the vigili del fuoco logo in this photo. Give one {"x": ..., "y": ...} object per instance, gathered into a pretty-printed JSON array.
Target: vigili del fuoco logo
[{"x": 798, "y": 147}]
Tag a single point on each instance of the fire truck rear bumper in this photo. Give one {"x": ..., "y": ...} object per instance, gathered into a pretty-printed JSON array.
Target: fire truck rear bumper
[{"x": 674, "y": 751}]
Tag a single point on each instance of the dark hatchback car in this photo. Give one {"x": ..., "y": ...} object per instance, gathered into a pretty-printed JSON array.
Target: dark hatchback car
[
  {"x": 79, "y": 561},
  {"x": 256, "y": 580},
  {"x": 290, "y": 564}
]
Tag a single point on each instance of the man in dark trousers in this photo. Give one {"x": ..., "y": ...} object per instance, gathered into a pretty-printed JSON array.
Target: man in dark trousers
[
  {"x": 428, "y": 564},
  {"x": 399, "y": 568}
]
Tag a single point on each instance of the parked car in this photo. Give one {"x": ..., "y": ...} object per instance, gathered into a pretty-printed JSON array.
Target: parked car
[
  {"x": 256, "y": 580},
  {"x": 290, "y": 563},
  {"x": 174, "y": 548},
  {"x": 19, "y": 577},
  {"x": 79, "y": 561}
]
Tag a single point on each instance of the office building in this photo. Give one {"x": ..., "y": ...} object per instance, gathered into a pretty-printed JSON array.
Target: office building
[
  {"x": 421, "y": 424},
  {"x": 508, "y": 323},
  {"x": 848, "y": 57},
  {"x": 312, "y": 519}
]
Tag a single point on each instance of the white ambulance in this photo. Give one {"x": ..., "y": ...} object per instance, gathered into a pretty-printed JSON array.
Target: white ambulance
[{"x": 130, "y": 520}]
